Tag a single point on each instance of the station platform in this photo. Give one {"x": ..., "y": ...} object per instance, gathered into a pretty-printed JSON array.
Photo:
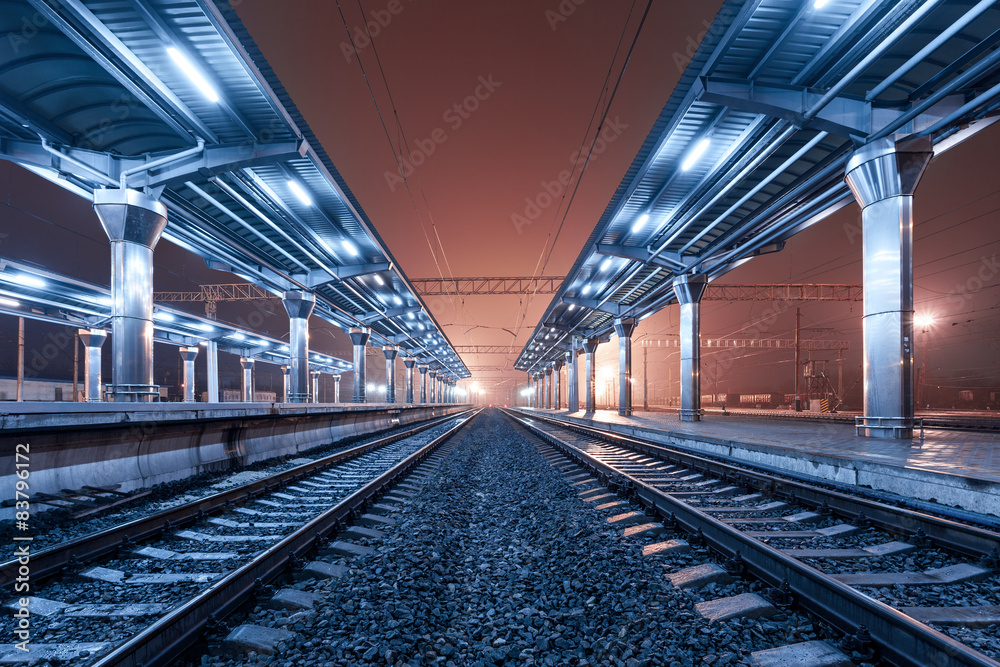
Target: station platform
[
  {"x": 131, "y": 446},
  {"x": 960, "y": 469}
]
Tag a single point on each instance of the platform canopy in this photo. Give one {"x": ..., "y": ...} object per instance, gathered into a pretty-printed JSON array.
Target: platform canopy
[
  {"x": 173, "y": 97},
  {"x": 38, "y": 294},
  {"x": 752, "y": 144}
]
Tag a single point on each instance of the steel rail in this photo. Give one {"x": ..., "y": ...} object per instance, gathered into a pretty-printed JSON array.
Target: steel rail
[
  {"x": 166, "y": 639},
  {"x": 901, "y": 640},
  {"x": 958, "y": 537},
  {"x": 54, "y": 560}
]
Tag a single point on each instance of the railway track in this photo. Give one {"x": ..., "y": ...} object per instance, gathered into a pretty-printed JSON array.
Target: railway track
[
  {"x": 828, "y": 552},
  {"x": 144, "y": 591}
]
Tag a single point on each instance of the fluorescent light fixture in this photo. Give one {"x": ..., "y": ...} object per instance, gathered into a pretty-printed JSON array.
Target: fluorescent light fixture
[
  {"x": 606, "y": 264},
  {"x": 585, "y": 290},
  {"x": 397, "y": 301},
  {"x": 207, "y": 328},
  {"x": 695, "y": 154},
  {"x": 263, "y": 343},
  {"x": 572, "y": 307},
  {"x": 349, "y": 247},
  {"x": 819, "y": 4},
  {"x": 420, "y": 326},
  {"x": 163, "y": 316},
  {"x": 11, "y": 303},
  {"x": 300, "y": 193},
  {"x": 379, "y": 280},
  {"x": 237, "y": 336},
  {"x": 24, "y": 280},
  {"x": 192, "y": 73},
  {"x": 640, "y": 223},
  {"x": 283, "y": 348},
  {"x": 412, "y": 316}
]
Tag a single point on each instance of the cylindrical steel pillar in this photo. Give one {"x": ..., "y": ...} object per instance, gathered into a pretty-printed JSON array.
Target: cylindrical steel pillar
[
  {"x": 624, "y": 329},
  {"x": 573, "y": 377},
  {"x": 359, "y": 338},
  {"x": 188, "y": 355},
  {"x": 247, "y": 365},
  {"x": 409, "y": 363},
  {"x": 590, "y": 372},
  {"x": 689, "y": 290},
  {"x": 556, "y": 400},
  {"x": 548, "y": 388},
  {"x": 212, "y": 372},
  {"x": 390, "y": 352},
  {"x": 315, "y": 386},
  {"x": 285, "y": 372},
  {"x": 883, "y": 176},
  {"x": 94, "y": 340},
  {"x": 423, "y": 383},
  {"x": 299, "y": 306},
  {"x": 133, "y": 222},
  {"x": 336, "y": 389},
  {"x": 433, "y": 390},
  {"x": 440, "y": 390}
]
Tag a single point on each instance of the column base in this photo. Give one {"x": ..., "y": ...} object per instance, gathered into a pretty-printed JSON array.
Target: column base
[
  {"x": 132, "y": 393},
  {"x": 625, "y": 413},
  {"x": 299, "y": 398},
  {"x": 688, "y": 415},
  {"x": 892, "y": 428}
]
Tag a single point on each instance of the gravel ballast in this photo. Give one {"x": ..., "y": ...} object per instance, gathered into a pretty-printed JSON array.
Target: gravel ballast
[{"x": 497, "y": 561}]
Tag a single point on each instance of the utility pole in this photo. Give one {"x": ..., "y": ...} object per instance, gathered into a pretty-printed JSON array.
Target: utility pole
[
  {"x": 840, "y": 375},
  {"x": 798, "y": 353},
  {"x": 645, "y": 380},
  {"x": 20, "y": 359},
  {"x": 76, "y": 364}
]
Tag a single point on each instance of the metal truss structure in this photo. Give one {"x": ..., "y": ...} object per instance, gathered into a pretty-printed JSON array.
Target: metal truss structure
[
  {"x": 474, "y": 286},
  {"x": 211, "y": 295}
]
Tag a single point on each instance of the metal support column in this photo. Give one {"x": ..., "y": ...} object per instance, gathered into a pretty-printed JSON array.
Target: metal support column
[
  {"x": 423, "y": 383},
  {"x": 408, "y": 363},
  {"x": 212, "y": 363},
  {"x": 133, "y": 222},
  {"x": 590, "y": 372},
  {"x": 573, "y": 378},
  {"x": 94, "y": 339},
  {"x": 314, "y": 376},
  {"x": 433, "y": 388},
  {"x": 689, "y": 290},
  {"x": 548, "y": 388},
  {"x": 624, "y": 329},
  {"x": 336, "y": 389},
  {"x": 390, "y": 352},
  {"x": 299, "y": 306},
  {"x": 188, "y": 355},
  {"x": 285, "y": 371},
  {"x": 359, "y": 337},
  {"x": 247, "y": 365},
  {"x": 883, "y": 176},
  {"x": 556, "y": 400}
]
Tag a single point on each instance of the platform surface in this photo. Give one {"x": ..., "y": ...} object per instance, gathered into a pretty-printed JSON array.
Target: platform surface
[
  {"x": 956, "y": 468},
  {"x": 965, "y": 453}
]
